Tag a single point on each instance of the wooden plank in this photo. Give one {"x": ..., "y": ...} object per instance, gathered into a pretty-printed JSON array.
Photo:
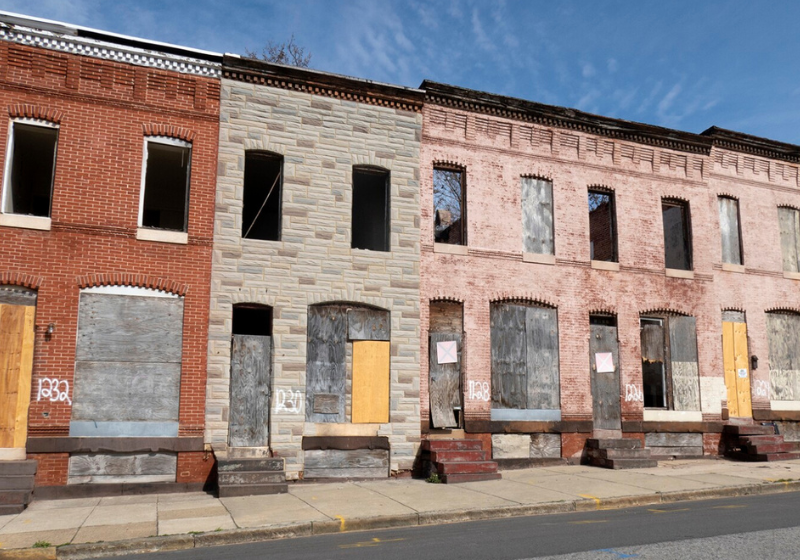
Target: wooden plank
[
  {"x": 368, "y": 324},
  {"x": 370, "y": 389},
  {"x": 537, "y": 216},
  {"x": 325, "y": 358},
  {"x": 541, "y": 338},
  {"x": 444, "y": 382},
  {"x": 741, "y": 363},
  {"x": 345, "y": 459},
  {"x": 787, "y": 221},
  {"x": 251, "y": 373},
  {"x": 12, "y": 324},
  {"x": 126, "y": 392},
  {"x": 683, "y": 363},
  {"x": 733, "y": 316},
  {"x": 652, "y": 343},
  {"x": 729, "y": 230},
  {"x": 545, "y": 446},
  {"x": 673, "y": 440},
  {"x": 729, "y": 366},
  {"x": 682, "y": 339},
  {"x": 129, "y": 329},
  {"x": 605, "y": 385},
  {"x": 783, "y": 337},
  {"x": 509, "y": 356},
  {"x": 446, "y": 317},
  {"x": 131, "y": 467},
  {"x": 358, "y": 472},
  {"x": 326, "y": 404},
  {"x": 14, "y": 295},
  {"x": 24, "y": 380}
]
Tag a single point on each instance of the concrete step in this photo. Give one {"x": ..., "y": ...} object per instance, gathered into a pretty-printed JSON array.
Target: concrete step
[
  {"x": 615, "y": 453},
  {"x": 453, "y": 445},
  {"x": 457, "y": 456},
  {"x": 14, "y": 497},
  {"x": 16, "y": 482},
  {"x": 473, "y": 467},
  {"x": 760, "y": 440},
  {"x": 259, "y": 464},
  {"x": 244, "y": 477},
  {"x": 747, "y": 430},
  {"x": 27, "y": 467},
  {"x": 229, "y": 491},
  {"x": 11, "y": 509},
  {"x": 456, "y": 478},
  {"x": 618, "y": 464},
  {"x": 767, "y": 448},
  {"x": 616, "y": 443}
]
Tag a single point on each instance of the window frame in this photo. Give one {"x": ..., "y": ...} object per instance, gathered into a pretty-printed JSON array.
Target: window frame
[
  {"x": 537, "y": 212},
  {"x": 720, "y": 198},
  {"x": 612, "y": 199},
  {"x": 387, "y": 215},
  {"x": 796, "y": 240},
  {"x": 280, "y": 158},
  {"x": 666, "y": 369},
  {"x": 463, "y": 218},
  {"x": 687, "y": 229},
  {"x": 169, "y": 141}
]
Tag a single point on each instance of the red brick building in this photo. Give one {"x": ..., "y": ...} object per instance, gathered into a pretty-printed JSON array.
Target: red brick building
[{"x": 109, "y": 151}]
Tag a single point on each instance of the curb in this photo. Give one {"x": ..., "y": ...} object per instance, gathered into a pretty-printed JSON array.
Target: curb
[{"x": 307, "y": 529}]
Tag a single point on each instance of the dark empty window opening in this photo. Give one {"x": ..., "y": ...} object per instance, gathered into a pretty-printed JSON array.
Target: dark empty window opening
[
  {"x": 603, "y": 320},
  {"x": 252, "y": 319},
  {"x": 261, "y": 204},
  {"x": 449, "y": 206},
  {"x": 166, "y": 186},
  {"x": 677, "y": 234},
  {"x": 654, "y": 364},
  {"x": 730, "y": 230},
  {"x": 602, "y": 226},
  {"x": 370, "y": 209},
  {"x": 29, "y": 183}
]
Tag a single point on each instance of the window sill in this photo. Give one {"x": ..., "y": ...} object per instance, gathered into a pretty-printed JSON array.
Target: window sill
[
  {"x": 784, "y": 405},
  {"x": 729, "y": 267},
  {"x": 27, "y": 222},
  {"x": 450, "y": 249},
  {"x": 162, "y": 236},
  {"x": 605, "y": 265},
  {"x": 677, "y": 273},
  {"x": 791, "y": 275},
  {"x": 651, "y": 415},
  {"x": 538, "y": 258},
  {"x": 526, "y": 415}
]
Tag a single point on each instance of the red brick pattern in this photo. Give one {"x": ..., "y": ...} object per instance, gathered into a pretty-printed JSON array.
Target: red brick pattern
[{"x": 51, "y": 468}]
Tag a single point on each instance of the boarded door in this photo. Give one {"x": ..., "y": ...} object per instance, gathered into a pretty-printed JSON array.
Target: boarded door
[
  {"x": 251, "y": 373},
  {"x": 16, "y": 363},
  {"x": 604, "y": 363},
  {"x": 445, "y": 378},
  {"x": 370, "y": 381},
  {"x": 325, "y": 363},
  {"x": 737, "y": 376}
]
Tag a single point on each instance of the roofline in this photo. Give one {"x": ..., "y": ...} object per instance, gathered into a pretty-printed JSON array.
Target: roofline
[{"x": 756, "y": 145}]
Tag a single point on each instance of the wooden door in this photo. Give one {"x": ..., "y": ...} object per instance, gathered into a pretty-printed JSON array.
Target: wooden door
[
  {"x": 16, "y": 364},
  {"x": 444, "y": 379},
  {"x": 371, "y": 381},
  {"x": 737, "y": 374},
  {"x": 604, "y": 363},
  {"x": 251, "y": 371}
]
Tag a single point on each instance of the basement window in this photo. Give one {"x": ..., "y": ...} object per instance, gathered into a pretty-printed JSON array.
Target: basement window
[
  {"x": 30, "y": 168},
  {"x": 370, "y": 209},
  {"x": 602, "y": 226},
  {"x": 449, "y": 206},
  {"x": 677, "y": 234},
  {"x": 263, "y": 189},
  {"x": 165, "y": 189}
]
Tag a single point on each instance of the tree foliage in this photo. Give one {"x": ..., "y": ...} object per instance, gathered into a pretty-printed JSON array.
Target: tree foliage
[{"x": 288, "y": 53}]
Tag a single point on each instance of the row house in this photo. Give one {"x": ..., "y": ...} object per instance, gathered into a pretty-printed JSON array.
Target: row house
[{"x": 109, "y": 152}]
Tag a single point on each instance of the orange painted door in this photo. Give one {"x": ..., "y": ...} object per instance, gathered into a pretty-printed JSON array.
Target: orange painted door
[
  {"x": 737, "y": 370},
  {"x": 16, "y": 364},
  {"x": 370, "y": 381}
]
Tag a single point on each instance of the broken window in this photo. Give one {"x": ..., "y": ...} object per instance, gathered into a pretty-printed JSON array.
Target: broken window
[
  {"x": 730, "y": 231},
  {"x": 537, "y": 216},
  {"x": 370, "y": 209},
  {"x": 30, "y": 169},
  {"x": 165, "y": 193},
  {"x": 261, "y": 202},
  {"x": 449, "y": 206},
  {"x": 789, "y": 221},
  {"x": 525, "y": 364},
  {"x": 677, "y": 234},
  {"x": 783, "y": 336},
  {"x": 602, "y": 226},
  {"x": 670, "y": 377}
]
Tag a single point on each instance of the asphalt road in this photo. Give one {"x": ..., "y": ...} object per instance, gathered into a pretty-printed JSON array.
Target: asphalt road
[{"x": 746, "y": 528}]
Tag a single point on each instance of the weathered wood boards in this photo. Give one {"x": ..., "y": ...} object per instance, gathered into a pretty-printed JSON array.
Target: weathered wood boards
[
  {"x": 783, "y": 335},
  {"x": 683, "y": 361},
  {"x": 541, "y": 333},
  {"x": 605, "y": 384},
  {"x": 345, "y": 463},
  {"x": 325, "y": 360},
  {"x": 251, "y": 373},
  {"x": 789, "y": 223},
  {"x": 368, "y": 324},
  {"x": 445, "y": 382},
  {"x": 370, "y": 397},
  {"x": 729, "y": 230},
  {"x": 100, "y": 468},
  {"x": 537, "y": 216},
  {"x": 16, "y": 363},
  {"x": 737, "y": 374}
]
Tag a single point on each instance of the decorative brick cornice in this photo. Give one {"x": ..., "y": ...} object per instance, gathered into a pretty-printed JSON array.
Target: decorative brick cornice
[
  {"x": 160, "y": 129},
  {"x": 727, "y": 195},
  {"x": 439, "y": 298},
  {"x": 529, "y": 299},
  {"x": 21, "y": 279},
  {"x": 136, "y": 280},
  {"x": 783, "y": 309},
  {"x": 732, "y": 308},
  {"x": 602, "y": 311},
  {"x": 449, "y": 164},
  {"x": 538, "y": 176},
  {"x": 26, "y": 111},
  {"x": 664, "y": 311},
  {"x": 599, "y": 187},
  {"x": 745, "y": 143}
]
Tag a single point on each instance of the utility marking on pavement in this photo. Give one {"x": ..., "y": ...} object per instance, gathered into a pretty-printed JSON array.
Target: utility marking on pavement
[
  {"x": 587, "y": 521},
  {"x": 667, "y": 510},
  {"x": 618, "y": 553},
  {"x": 374, "y": 542},
  {"x": 728, "y": 507},
  {"x": 341, "y": 525},
  {"x": 590, "y": 497}
]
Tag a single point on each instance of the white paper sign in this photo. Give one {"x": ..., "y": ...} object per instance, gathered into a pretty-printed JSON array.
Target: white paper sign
[
  {"x": 742, "y": 373},
  {"x": 447, "y": 352},
  {"x": 604, "y": 362}
]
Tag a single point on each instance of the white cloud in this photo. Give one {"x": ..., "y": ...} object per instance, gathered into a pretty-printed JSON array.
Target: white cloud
[
  {"x": 481, "y": 38},
  {"x": 668, "y": 99}
]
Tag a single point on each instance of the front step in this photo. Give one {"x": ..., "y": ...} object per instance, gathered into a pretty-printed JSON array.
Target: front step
[
  {"x": 16, "y": 485},
  {"x": 251, "y": 477},
  {"x": 470, "y": 477},
  {"x": 619, "y": 453},
  {"x": 758, "y": 443},
  {"x": 460, "y": 460}
]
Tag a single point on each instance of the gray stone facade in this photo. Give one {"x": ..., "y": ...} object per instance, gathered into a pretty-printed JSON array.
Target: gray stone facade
[{"x": 321, "y": 138}]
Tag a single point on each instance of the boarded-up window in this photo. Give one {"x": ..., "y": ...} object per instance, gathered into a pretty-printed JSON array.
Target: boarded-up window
[
  {"x": 128, "y": 364},
  {"x": 449, "y": 206},
  {"x": 670, "y": 376},
  {"x": 602, "y": 226},
  {"x": 677, "y": 234},
  {"x": 537, "y": 216},
  {"x": 789, "y": 220},
  {"x": 261, "y": 200},
  {"x": 525, "y": 365},
  {"x": 730, "y": 231},
  {"x": 165, "y": 192},
  {"x": 30, "y": 168},
  {"x": 370, "y": 217},
  {"x": 783, "y": 334}
]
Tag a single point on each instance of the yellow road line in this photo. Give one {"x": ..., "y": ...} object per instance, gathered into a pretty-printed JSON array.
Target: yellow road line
[
  {"x": 590, "y": 497},
  {"x": 341, "y": 519}
]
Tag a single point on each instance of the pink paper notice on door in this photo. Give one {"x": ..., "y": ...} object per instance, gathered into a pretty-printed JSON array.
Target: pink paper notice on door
[
  {"x": 604, "y": 361},
  {"x": 447, "y": 352}
]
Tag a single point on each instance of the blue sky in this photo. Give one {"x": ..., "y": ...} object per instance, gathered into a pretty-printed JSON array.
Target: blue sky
[{"x": 684, "y": 64}]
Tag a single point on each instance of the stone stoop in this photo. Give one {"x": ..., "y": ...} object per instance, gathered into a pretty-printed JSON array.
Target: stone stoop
[
  {"x": 618, "y": 453},
  {"x": 251, "y": 476},
  {"x": 16, "y": 485},
  {"x": 758, "y": 443},
  {"x": 460, "y": 460}
]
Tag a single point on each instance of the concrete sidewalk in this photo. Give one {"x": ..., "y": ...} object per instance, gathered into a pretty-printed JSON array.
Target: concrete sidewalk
[{"x": 130, "y": 524}]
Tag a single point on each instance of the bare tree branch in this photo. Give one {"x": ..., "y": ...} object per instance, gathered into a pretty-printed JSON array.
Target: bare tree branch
[{"x": 288, "y": 53}]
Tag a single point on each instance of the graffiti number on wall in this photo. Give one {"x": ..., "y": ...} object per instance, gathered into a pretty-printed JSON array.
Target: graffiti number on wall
[
  {"x": 633, "y": 393},
  {"x": 479, "y": 391},
  {"x": 289, "y": 401},
  {"x": 51, "y": 389},
  {"x": 761, "y": 388}
]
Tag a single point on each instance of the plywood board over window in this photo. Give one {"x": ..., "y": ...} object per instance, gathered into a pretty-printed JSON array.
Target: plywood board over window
[
  {"x": 537, "y": 216},
  {"x": 789, "y": 222},
  {"x": 325, "y": 363},
  {"x": 16, "y": 362},
  {"x": 783, "y": 335}
]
